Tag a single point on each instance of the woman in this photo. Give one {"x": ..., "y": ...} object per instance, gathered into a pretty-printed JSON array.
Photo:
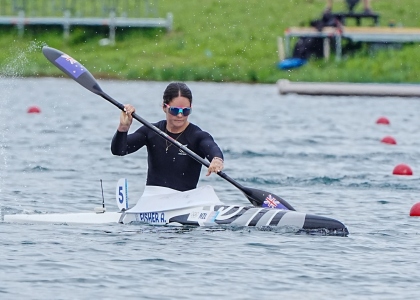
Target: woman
[{"x": 168, "y": 166}]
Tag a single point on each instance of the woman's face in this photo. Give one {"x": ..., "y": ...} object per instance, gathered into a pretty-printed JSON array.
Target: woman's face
[{"x": 179, "y": 121}]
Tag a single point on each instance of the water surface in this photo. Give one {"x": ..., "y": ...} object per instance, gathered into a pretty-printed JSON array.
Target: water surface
[{"x": 322, "y": 154}]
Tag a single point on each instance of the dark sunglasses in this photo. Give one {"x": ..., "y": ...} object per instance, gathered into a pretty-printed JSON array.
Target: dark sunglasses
[{"x": 185, "y": 111}]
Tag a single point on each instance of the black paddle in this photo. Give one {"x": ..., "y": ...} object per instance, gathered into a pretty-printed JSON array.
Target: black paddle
[{"x": 82, "y": 76}]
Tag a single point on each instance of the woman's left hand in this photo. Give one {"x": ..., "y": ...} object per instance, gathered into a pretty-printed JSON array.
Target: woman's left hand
[{"x": 216, "y": 166}]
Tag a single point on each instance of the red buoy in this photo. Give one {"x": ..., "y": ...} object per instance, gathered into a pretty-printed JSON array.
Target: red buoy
[
  {"x": 382, "y": 120},
  {"x": 415, "y": 210},
  {"x": 402, "y": 169},
  {"x": 34, "y": 110},
  {"x": 389, "y": 140}
]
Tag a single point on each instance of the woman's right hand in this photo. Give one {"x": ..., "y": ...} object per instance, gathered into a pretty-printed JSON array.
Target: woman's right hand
[{"x": 126, "y": 118}]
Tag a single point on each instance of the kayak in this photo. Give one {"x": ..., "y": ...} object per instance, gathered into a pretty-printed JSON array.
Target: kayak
[
  {"x": 199, "y": 207},
  {"x": 291, "y": 63}
]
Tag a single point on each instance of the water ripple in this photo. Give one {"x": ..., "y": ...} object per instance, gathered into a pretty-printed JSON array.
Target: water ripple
[{"x": 323, "y": 155}]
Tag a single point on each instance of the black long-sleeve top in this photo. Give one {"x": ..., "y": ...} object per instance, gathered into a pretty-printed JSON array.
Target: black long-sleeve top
[{"x": 170, "y": 168}]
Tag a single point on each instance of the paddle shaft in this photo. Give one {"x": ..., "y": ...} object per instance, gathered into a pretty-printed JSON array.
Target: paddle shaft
[
  {"x": 171, "y": 140},
  {"x": 81, "y": 75}
]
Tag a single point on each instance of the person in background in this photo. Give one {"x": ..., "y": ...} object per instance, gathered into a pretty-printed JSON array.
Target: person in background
[
  {"x": 168, "y": 166},
  {"x": 351, "y": 4}
]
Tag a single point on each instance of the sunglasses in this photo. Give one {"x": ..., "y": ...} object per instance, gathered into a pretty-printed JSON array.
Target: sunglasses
[{"x": 185, "y": 111}]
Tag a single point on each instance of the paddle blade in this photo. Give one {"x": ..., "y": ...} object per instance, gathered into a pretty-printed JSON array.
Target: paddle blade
[
  {"x": 265, "y": 199},
  {"x": 72, "y": 68}
]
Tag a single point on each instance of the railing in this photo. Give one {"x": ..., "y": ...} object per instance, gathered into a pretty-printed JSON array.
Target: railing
[
  {"x": 80, "y": 8},
  {"x": 111, "y": 13}
]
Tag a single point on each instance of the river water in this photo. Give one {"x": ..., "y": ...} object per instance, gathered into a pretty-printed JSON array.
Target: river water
[{"x": 322, "y": 154}]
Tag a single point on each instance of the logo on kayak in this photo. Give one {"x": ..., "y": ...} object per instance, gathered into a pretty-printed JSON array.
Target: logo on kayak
[
  {"x": 198, "y": 216},
  {"x": 271, "y": 202}
]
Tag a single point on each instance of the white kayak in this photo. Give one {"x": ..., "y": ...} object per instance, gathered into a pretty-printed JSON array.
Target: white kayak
[{"x": 198, "y": 207}]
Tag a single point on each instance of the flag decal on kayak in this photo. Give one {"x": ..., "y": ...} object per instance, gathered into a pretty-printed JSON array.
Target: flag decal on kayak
[
  {"x": 72, "y": 66},
  {"x": 271, "y": 202}
]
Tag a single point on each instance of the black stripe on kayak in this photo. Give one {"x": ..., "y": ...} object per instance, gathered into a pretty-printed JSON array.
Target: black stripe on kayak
[
  {"x": 233, "y": 218},
  {"x": 183, "y": 219},
  {"x": 230, "y": 211},
  {"x": 257, "y": 217},
  {"x": 275, "y": 221},
  {"x": 318, "y": 222}
]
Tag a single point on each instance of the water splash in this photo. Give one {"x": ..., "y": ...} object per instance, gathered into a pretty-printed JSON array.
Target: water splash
[
  {"x": 15, "y": 65},
  {"x": 12, "y": 69}
]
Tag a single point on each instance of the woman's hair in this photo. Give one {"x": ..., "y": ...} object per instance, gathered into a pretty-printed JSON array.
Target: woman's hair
[{"x": 176, "y": 89}]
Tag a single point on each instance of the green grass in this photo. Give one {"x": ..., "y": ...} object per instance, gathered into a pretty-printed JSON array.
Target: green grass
[{"x": 212, "y": 40}]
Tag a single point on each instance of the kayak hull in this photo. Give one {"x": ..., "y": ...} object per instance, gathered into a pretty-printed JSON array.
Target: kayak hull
[
  {"x": 199, "y": 207},
  {"x": 239, "y": 216},
  {"x": 65, "y": 218},
  {"x": 216, "y": 215}
]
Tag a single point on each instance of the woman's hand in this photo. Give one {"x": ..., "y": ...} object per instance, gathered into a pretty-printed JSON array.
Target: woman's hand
[
  {"x": 216, "y": 166},
  {"x": 126, "y": 118}
]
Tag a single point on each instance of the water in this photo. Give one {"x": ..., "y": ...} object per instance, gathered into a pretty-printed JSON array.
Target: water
[{"x": 322, "y": 154}]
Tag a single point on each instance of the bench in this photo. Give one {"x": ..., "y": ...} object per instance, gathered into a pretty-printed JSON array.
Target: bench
[
  {"x": 355, "y": 34},
  {"x": 357, "y": 16}
]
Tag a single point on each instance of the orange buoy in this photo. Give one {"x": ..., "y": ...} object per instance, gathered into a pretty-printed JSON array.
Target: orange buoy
[
  {"x": 382, "y": 120},
  {"x": 389, "y": 140},
  {"x": 34, "y": 110},
  {"x": 402, "y": 169},
  {"x": 415, "y": 210}
]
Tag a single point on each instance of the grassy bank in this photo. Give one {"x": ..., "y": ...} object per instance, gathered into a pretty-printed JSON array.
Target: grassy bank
[{"x": 212, "y": 40}]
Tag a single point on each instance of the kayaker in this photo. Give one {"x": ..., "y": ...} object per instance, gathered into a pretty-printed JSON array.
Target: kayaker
[{"x": 168, "y": 166}]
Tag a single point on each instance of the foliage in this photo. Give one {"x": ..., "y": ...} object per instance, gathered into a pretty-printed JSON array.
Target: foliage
[{"x": 218, "y": 40}]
